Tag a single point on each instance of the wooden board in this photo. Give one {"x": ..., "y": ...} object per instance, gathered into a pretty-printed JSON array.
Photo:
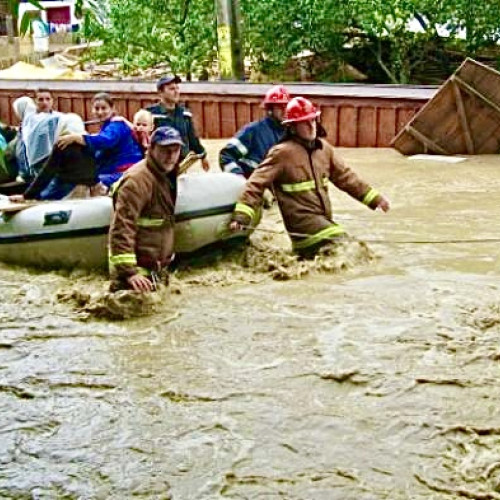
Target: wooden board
[{"x": 463, "y": 117}]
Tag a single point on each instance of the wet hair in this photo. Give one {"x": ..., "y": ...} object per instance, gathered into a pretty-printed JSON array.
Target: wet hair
[
  {"x": 103, "y": 96},
  {"x": 144, "y": 114}
]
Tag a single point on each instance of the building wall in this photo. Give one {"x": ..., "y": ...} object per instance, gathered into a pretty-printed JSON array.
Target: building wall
[{"x": 50, "y": 4}]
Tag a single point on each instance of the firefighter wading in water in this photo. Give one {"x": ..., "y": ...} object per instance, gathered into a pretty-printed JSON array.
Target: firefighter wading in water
[
  {"x": 141, "y": 237},
  {"x": 298, "y": 170}
]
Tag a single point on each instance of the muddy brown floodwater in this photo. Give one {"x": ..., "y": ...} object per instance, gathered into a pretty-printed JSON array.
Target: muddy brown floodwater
[{"x": 373, "y": 373}]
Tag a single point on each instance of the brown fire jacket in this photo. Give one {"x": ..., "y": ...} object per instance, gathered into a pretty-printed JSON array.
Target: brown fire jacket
[
  {"x": 299, "y": 175},
  {"x": 141, "y": 236}
]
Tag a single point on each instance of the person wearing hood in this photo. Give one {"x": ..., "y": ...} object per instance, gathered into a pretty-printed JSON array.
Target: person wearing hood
[
  {"x": 299, "y": 170},
  {"x": 65, "y": 168},
  {"x": 246, "y": 150},
  {"x": 23, "y": 108},
  {"x": 141, "y": 236}
]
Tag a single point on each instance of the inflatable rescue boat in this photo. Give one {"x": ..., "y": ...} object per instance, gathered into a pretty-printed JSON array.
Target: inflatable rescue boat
[{"x": 73, "y": 233}]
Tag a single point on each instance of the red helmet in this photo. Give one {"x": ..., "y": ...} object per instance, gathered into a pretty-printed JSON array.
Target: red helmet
[
  {"x": 277, "y": 95},
  {"x": 300, "y": 109}
]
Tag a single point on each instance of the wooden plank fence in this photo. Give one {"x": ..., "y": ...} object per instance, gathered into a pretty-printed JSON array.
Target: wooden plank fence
[{"x": 353, "y": 115}]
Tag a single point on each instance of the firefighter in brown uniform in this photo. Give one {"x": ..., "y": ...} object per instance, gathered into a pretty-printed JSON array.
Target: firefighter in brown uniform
[
  {"x": 298, "y": 169},
  {"x": 141, "y": 237}
]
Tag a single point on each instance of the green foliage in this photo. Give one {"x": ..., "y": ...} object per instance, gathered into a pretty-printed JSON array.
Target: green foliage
[
  {"x": 275, "y": 31},
  {"x": 182, "y": 33},
  {"x": 143, "y": 33}
]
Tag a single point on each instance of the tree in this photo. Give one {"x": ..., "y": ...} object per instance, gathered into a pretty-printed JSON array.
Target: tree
[
  {"x": 275, "y": 31},
  {"x": 477, "y": 20},
  {"x": 182, "y": 33},
  {"x": 144, "y": 33}
]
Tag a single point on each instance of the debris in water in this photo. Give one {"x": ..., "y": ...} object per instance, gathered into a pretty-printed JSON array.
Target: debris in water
[{"x": 124, "y": 304}]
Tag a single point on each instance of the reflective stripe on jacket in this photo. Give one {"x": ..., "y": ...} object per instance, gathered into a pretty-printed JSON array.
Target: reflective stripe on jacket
[
  {"x": 299, "y": 177},
  {"x": 246, "y": 150},
  {"x": 182, "y": 120},
  {"x": 142, "y": 228}
]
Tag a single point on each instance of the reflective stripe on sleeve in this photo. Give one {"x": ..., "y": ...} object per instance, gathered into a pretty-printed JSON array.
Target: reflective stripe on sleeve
[
  {"x": 145, "y": 222},
  {"x": 245, "y": 209},
  {"x": 232, "y": 168},
  {"x": 370, "y": 196},
  {"x": 123, "y": 258},
  {"x": 249, "y": 163},
  {"x": 238, "y": 145},
  {"x": 325, "y": 234}
]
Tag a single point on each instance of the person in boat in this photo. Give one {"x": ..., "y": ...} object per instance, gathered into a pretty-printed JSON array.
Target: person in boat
[
  {"x": 8, "y": 165},
  {"x": 114, "y": 147},
  {"x": 142, "y": 127},
  {"x": 44, "y": 101},
  {"x": 299, "y": 169},
  {"x": 23, "y": 107},
  {"x": 141, "y": 237},
  {"x": 168, "y": 112},
  {"x": 246, "y": 150},
  {"x": 65, "y": 168}
]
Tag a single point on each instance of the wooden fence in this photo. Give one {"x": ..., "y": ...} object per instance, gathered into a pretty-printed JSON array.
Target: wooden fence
[{"x": 354, "y": 115}]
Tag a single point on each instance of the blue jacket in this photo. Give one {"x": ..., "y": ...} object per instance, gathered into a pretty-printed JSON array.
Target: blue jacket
[
  {"x": 182, "y": 120},
  {"x": 246, "y": 150},
  {"x": 113, "y": 147}
]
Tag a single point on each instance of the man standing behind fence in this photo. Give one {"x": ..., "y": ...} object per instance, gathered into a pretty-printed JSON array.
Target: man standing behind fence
[{"x": 168, "y": 112}]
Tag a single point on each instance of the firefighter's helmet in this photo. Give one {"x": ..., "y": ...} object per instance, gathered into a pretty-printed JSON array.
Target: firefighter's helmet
[
  {"x": 300, "y": 109},
  {"x": 276, "y": 95}
]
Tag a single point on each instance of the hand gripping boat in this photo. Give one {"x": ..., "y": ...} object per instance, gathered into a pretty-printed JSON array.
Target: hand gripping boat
[{"x": 73, "y": 233}]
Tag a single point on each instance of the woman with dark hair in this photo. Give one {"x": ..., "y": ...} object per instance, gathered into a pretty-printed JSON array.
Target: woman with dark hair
[{"x": 113, "y": 147}]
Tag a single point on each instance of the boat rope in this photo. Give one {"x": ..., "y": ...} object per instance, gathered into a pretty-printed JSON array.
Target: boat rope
[{"x": 384, "y": 241}]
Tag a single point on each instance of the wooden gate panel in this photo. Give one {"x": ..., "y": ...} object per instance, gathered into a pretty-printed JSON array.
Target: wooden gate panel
[
  {"x": 367, "y": 128},
  {"x": 243, "y": 115},
  {"x": 348, "y": 127},
  {"x": 386, "y": 126},
  {"x": 212, "y": 119},
  {"x": 329, "y": 120},
  {"x": 228, "y": 119}
]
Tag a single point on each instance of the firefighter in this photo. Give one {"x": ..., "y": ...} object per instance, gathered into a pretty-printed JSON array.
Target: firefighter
[
  {"x": 141, "y": 237},
  {"x": 246, "y": 150},
  {"x": 298, "y": 169}
]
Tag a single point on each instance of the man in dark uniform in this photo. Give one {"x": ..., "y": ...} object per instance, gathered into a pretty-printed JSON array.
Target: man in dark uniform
[{"x": 168, "y": 112}]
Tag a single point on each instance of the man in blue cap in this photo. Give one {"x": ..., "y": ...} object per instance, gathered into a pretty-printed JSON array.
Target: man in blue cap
[
  {"x": 141, "y": 237},
  {"x": 168, "y": 112}
]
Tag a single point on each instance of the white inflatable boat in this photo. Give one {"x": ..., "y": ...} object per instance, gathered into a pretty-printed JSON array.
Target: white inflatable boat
[{"x": 73, "y": 233}]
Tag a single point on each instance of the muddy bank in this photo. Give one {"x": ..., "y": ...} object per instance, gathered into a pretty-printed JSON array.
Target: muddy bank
[{"x": 376, "y": 380}]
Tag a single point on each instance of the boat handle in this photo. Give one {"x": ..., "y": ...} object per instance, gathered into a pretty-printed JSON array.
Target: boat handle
[{"x": 54, "y": 218}]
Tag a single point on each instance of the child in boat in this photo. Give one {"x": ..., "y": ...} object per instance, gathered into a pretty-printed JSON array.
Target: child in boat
[{"x": 143, "y": 128}]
